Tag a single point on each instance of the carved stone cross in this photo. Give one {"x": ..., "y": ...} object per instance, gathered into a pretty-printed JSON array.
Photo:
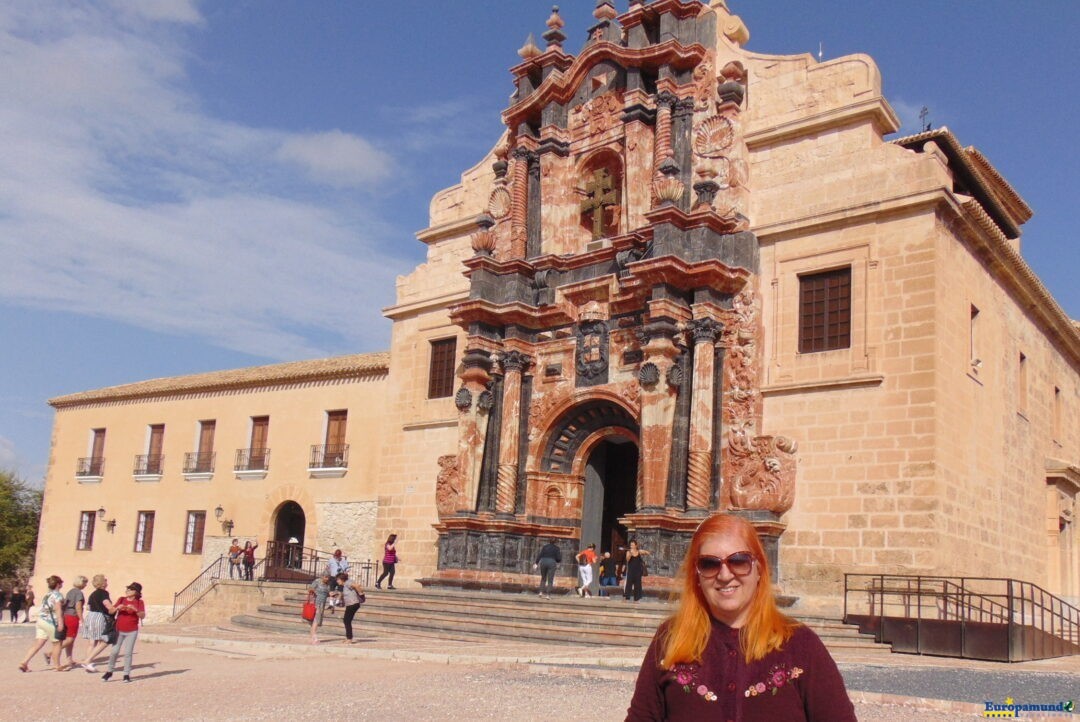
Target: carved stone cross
[{"x": 599, "y": 195}]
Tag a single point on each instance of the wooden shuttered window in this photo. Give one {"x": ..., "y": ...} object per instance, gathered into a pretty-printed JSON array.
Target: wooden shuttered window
[
  {"x": 441, "y": 377},
  {"x": 335, "y": 429},
  {"x": 144, "y": 532},
  {"x": 196, "y": 527},
  {"x": 85, "y": 540},
  {"x": 825, "y": 311}
]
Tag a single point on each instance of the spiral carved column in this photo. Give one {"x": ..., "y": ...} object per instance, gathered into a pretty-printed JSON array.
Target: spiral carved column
[
  {"x": 705, "y": 332},
  {"x": 519, "y": 203},
  {"x": 513, "y": 363}
]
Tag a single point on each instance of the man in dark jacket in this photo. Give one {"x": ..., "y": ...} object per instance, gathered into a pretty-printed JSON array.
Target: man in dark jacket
[{"x": 547, "y": 560}]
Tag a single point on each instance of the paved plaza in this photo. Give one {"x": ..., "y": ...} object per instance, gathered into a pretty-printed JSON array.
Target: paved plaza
[{"x": 223, "y": 673}]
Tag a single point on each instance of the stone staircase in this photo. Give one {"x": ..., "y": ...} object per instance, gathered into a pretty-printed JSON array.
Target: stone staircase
[{"x": 457, "y": 615}]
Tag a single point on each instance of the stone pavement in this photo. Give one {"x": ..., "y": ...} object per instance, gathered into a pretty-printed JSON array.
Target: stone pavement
[
  {"x": 895, "y": 687},
  {"x": 930, "y": 683}
]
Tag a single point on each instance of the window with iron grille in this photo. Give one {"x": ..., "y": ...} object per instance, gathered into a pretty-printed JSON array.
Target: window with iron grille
[
  {"x": 825, "y": 311},
  {"x": 144, "y": 531},
  {"x": 86, "y": 531},
  {"x": 196, "y": 526},
  {"x": 441, "y": 378}
]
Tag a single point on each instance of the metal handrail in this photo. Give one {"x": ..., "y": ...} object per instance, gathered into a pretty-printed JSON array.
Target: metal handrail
[
  {"x": 199, "y": 462},
  {"x": 198, "y": 586},
  {"x": 1014, "y": 603},
  {"x": 329, "y": 456},
  {"x": 90, "y": 466},
  {"x": 149, "y": 463},
  {"x": 253, "y": 459}
]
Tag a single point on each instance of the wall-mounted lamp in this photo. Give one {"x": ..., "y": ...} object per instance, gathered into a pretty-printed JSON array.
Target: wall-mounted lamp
[
  {"x": 226, "y": 524},
  {"x": 101, "y": 514},
  {"x": 976, "y": 362}
]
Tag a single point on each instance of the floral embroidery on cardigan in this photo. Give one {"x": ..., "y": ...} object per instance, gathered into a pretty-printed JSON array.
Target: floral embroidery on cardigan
[
  {"x": 779, "y": 675},
  {"x": 687, "y": 676}
]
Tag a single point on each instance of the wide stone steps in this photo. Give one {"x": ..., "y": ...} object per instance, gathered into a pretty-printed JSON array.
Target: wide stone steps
[{"x": 459, "y": 615}]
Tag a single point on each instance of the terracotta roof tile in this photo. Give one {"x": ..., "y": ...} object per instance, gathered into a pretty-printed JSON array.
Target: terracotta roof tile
[{"x": 291, "y": 372}]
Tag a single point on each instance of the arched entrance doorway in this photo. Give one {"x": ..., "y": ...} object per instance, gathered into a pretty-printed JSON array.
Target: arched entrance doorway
[{"x": 284, "y": 551}]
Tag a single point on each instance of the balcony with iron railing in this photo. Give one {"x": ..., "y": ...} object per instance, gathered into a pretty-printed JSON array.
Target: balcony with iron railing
[
  {"x": 148, "y": 467},
  {"x": 252, "y": 463},
  {"x": 328, "y": 460},
  {"x": 199, "y": 465},
  {"x": 90, "y": 468}
]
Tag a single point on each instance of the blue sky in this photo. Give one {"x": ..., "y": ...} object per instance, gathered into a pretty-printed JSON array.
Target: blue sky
[{"x": 189, "y": 186}]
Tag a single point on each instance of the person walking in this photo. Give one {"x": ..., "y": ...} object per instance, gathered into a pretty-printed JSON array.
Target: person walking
[
  {"x": 236, "y": 559},
  {"x": 389, "y": 562},
  {"x": 29, "y": 603},
  {"x": 318, "y": 592},
  {"x": 549, "y": 558},
  {"x": 352, "y": 596},
  {"x": 74, "y": 601},
  {"x": 16, "y": 602},
  {"x": 727, "y": 652},
  {"x": 50, "y": 625},
  {"x": 585, "y": 559},
  {"x": 249, "y": 560},
  {"x": 98, "y": 606},
  {"x": 129, "y": 611},
  {"x": 635, "y": 570}
]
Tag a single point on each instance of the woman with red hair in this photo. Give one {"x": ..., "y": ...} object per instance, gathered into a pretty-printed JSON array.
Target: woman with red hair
[{"x": 728, "y": 652}]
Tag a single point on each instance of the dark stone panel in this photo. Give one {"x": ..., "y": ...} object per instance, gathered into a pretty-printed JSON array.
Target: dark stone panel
[
  {"x": 711, "y": 295},
  {"x": 489, "y": 464},
  {"x": 534, "y": 240},
  {"x": 703, "y": 31},
  {"x": 680, "y": 436},
  {"x": 553, "y": 114},
  {"x": 500, "y": 552},
  {"x": 682, "y": 128},
  {"x": 500, "y": 289},
  {"x": 485, "y": 330},
  {"x": 666, "y": 550},
  {"x": 523, "y": 445},
  {"x": 718, "y": 426},
  {"x": 553, "y": 145}
]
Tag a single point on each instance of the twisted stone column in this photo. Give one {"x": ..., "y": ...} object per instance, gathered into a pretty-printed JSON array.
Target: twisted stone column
[
  {"x": 513, "y": 363},
  {"x": 519, "y": 203},
  {"x": 704, "y": 331}
]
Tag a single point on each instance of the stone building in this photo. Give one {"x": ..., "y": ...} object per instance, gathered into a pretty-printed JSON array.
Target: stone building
[{"x": 688, "y": 277}]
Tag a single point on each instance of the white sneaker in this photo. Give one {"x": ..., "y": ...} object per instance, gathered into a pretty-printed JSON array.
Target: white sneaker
[{"x": 89, "y": 667}]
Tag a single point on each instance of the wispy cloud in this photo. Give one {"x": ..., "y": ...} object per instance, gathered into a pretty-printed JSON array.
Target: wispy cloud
[
  {"x": 121, "y": 198},
  {"x": 336, "y": 158},
  {"x": 8, "y": 457}
]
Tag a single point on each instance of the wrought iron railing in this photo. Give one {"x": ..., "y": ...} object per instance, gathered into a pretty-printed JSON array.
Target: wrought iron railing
[
  {"x": 149, "y": 463},
  {"x": 1001, "y": 619},
  {"x": 199, "y": 586},
  {"x": 199, "y": 462},
  {"x": 90, "y": 466},
  {"x": 295, "y": 563},
  {"x": 255, "y": 459},
  {"x": 329, "y": 456}
]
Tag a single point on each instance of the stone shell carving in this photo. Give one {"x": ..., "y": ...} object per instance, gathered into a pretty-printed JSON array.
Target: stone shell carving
[
  {"x": 463, "y": 399},
  {"x": 714, "y": 137},
  {"x": 499, "y": 203},
  {"x": 648, "y": 374},
  {"x": 485, "y": 401},
  {"x": 676, "y": 376},
  {"x": 668, "y": 189}
]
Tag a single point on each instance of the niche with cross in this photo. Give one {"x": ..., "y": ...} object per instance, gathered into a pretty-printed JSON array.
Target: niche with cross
[{"x": 599, "y": 185}]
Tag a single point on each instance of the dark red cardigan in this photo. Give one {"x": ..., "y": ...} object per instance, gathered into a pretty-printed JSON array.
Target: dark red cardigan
[{"x": 797, "y": 683}]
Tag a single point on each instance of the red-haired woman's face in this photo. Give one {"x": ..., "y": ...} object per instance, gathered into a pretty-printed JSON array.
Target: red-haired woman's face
[{"x": 728, "y": 596}]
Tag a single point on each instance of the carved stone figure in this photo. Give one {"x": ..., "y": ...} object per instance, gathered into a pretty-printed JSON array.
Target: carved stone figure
[{"x": 447, "y": 485}]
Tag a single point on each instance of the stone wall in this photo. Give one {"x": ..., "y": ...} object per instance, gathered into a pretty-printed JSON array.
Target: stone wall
[
  {"x": 227, "y": 599},
  {"x": 349, "y": 526}
]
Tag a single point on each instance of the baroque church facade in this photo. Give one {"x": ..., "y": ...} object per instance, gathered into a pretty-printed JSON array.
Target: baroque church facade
[{"x": 688, "y": 278}]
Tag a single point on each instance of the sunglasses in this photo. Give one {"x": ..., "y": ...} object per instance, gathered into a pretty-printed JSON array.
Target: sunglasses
[{"x": 740, "y": 564}]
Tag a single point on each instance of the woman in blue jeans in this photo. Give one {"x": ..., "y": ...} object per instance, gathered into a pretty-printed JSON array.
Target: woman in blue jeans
[{"x": 129, "y": 610}]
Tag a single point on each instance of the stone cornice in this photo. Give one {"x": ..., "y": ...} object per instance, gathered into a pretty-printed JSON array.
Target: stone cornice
[
  {"x": 454, "y": 229},
  {"x": 876, "y": 110},
  {"x": 560, "y": 87},
  {"x": 408, "y": 309}
]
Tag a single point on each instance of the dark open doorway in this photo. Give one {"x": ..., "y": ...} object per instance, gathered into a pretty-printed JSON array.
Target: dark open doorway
[
  {"x": 290, "y": 523},
  {"x": 610, "y": 493}
]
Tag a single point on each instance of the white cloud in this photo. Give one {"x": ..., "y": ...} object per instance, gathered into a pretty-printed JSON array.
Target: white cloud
[
  {"x": 120, "y": 198},
  {"x": 8, "y": 457},
  {"x": 336, "y": 158}
]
